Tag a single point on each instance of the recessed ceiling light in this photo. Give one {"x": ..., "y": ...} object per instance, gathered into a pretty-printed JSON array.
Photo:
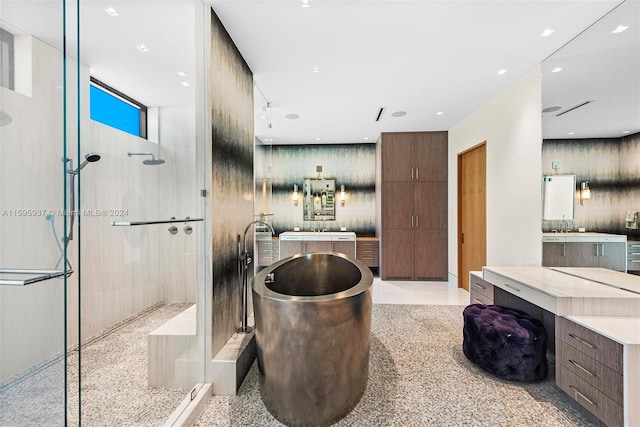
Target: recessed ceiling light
[
  {"x": 142, "y": 48},
  {"x": 182, "y": 74},
  {"x": 571, "y": 133},
  {"x": 263, "y": 117},
  {"x": 625, "y": 131},
  {"x": 365, "y": 138},
  {"x": 269, "y": 140},
  {"x": 316, "y": 70},
  {"x": 292, "y": 116},
  {"x": 547, "y": 32},
  {"x": 557, "y": 70},
  {"x": 111, "y": 11},
  {"x": 305, "y": 3},
  {"x": 619, "y": 29},
  {"x": 501, "y": 71},
  {"x": 185, "y": 83},
  {"x": 440, "y": 113},
  {"x": 398, "y": 113},
  {"x": 317, "y": 139}
]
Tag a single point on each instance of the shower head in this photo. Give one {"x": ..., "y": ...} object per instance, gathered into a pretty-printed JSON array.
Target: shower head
[
  {"x": 88, "y": 158},
  {"x": 151, "y": 162}
]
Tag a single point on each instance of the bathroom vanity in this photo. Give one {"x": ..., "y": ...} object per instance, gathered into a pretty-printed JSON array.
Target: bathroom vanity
[
  {"x": 585, "y": 250},
  {"x": 295, "y": 242},
  {"x": 592, "y": 317}
]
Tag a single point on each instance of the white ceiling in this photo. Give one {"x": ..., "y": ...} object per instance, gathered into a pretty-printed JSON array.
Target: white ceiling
[{"x": 421, "y": 57}]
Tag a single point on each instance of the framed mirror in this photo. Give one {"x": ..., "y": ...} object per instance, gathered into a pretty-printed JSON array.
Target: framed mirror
[
  {"x": 559, "y": 197},
  {"x": 319, "y": 199}
]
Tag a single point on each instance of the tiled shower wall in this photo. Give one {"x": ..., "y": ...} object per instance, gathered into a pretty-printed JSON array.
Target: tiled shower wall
[
  {"x": 612, "y": 167},
  {"x": 350, "y": 164}
]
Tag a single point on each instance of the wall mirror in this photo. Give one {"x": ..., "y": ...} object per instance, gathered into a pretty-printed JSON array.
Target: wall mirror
[
  {"x": 319, "y": 199},
  {"x": 559, "y": 197}
]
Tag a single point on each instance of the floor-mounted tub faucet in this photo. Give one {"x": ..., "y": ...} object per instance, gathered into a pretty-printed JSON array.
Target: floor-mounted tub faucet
[{"x": 243, "y": 265}]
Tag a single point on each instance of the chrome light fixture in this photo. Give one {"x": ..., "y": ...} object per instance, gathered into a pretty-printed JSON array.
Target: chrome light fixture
[
  {"x": 343, "y": 197},
  {"x": 295, "y": 194},
  {"x": 585, "y": 191}
]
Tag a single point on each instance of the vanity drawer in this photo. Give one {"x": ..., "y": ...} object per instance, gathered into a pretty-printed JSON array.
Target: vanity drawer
[
  {"x": 477, "y": 285},
  {"x": 589, "y": 370},
  {"x": 520, "y": 290},
  {"x": 600, "y": 348},
  {"x": 589, "y": 397},
  {"x": 367, "y": 251},
  {"x": 633, "y": 255}
]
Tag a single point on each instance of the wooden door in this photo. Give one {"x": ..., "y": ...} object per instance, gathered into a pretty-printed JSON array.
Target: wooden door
[{"x": 472, "y": 214}]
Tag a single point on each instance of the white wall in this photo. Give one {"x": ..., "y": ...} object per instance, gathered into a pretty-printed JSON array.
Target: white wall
[
  {"x": 511, "y": 125},
  {"x": 123, "y": 270}
]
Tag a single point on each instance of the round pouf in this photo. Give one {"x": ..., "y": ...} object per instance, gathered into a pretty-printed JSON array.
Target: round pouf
[{"x": 505, "y": 342}]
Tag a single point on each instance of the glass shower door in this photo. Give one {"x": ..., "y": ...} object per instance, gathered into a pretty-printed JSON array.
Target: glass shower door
[{"x": 35, "y": 272}]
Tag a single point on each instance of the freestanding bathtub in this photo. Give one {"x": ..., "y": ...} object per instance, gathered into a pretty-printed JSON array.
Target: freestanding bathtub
[{"x": 313, "y": 322}]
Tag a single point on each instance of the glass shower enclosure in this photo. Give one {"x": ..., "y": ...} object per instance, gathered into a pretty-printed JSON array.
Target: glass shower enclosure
[{"x": 101, "y": 216}]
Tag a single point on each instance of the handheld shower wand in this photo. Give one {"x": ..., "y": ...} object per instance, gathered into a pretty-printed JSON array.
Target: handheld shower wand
[{"x": 88, "y": 158}]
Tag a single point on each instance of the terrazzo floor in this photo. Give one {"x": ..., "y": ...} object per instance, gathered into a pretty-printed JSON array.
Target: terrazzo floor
[
  {"x": 114, "y": 382},
  {"x": 420, "y": 377}
]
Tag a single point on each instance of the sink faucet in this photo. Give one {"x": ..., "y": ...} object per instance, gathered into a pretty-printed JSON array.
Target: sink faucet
[{"x": 564, "y": 226}]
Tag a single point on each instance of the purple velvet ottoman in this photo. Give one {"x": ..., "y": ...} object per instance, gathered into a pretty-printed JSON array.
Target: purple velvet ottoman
[{"x": 505, "y": 342}]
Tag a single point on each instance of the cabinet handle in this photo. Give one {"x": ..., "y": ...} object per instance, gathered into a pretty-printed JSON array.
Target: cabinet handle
[
  {"x": 479, "y": 286},
  {"x": 411, "y": 174},
  {"x": 512, "y": 287},
  {"x": 417, "y": 221},
  {"x": 411, "y": 221},
  {"x": 564, "y": 249},
  {"x": 591, "y": 402},
  {"x": 582, "y": 368},
  {"x": 634, "y": 246},
  {"x": 477, "y": 300},
  {"x": 580, "y": 340},
  {"x": 417, "y": 172},
  {"x": 602, "y": 249},
  {"x": 634, "y": 253}
]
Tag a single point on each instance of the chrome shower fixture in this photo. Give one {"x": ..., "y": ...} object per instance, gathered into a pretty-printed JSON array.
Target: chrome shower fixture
[
  {"x": 88, "y": 158},
  {"x": 152, "y": 161}
]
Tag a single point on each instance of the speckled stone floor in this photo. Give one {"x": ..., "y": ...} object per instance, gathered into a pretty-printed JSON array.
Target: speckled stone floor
[
  {"x": 420, "y": 377},
  {"x": 114, "y": 382}
]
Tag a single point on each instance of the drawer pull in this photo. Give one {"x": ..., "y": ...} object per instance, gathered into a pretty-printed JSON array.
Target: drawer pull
[
  {"x": 477, "y": 300},
  {"x": 579, "y": 366},
  {"x": 591, "y": 402},
  {"x": 512, "y": 287},
  {"x": 580, "y": 340},
  {"x": 479, "y": 286}
]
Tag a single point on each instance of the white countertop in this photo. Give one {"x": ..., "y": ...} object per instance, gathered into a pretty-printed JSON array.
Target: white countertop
[
  {"x": 613, "y": 278},
  {"x": 583, "y": 237},
  {"x": 558, "y": 284},
  {"x": 318, "y": 235},
  {"x": 625, "y": 330}
]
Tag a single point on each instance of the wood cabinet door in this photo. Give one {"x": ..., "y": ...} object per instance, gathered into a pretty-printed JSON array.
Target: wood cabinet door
[
  {"x": 290, "y": 247},
  {"x": 613, "y": 256},
  {"x": 431, "y": 254},
  {"x": 397, "y": 205},
  {"x": 430, "y": 200},
  {"x": 346, "y": 247},
  {"x": 553, "y": 254},
  {"x": 397, "y": 156},
  {"x": 431, "y": 156},
  {"x": 397, "y": 254},
  {"x": 581, "y": 254},
  {"x": 317, "y": 245}
]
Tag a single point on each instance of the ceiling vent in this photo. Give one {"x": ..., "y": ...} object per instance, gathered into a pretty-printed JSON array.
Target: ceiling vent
[
  {"x": 379, "y": 114},
  {"x": 575, "y": 107}
]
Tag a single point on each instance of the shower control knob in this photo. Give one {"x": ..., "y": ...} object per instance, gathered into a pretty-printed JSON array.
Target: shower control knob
[
  {"x": 173, "y": 229},
  {"x": 188, "y": 229}
]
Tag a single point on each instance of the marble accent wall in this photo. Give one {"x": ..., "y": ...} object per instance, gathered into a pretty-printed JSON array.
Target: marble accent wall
[
  {"x": 350, "y": 164},
  {"x": 231, "y": 100},
  {"x": 612, "y": 167}
]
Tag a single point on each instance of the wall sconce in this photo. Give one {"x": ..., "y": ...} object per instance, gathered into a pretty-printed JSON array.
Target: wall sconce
[
  {"x": 295, "y": 194},
  {"x": 342, "y": 195},
  {"x": 585, "y": 191}
]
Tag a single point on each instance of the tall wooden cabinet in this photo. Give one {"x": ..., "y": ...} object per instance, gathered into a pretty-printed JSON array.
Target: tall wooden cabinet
[{"x": 413, "y": 205}]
